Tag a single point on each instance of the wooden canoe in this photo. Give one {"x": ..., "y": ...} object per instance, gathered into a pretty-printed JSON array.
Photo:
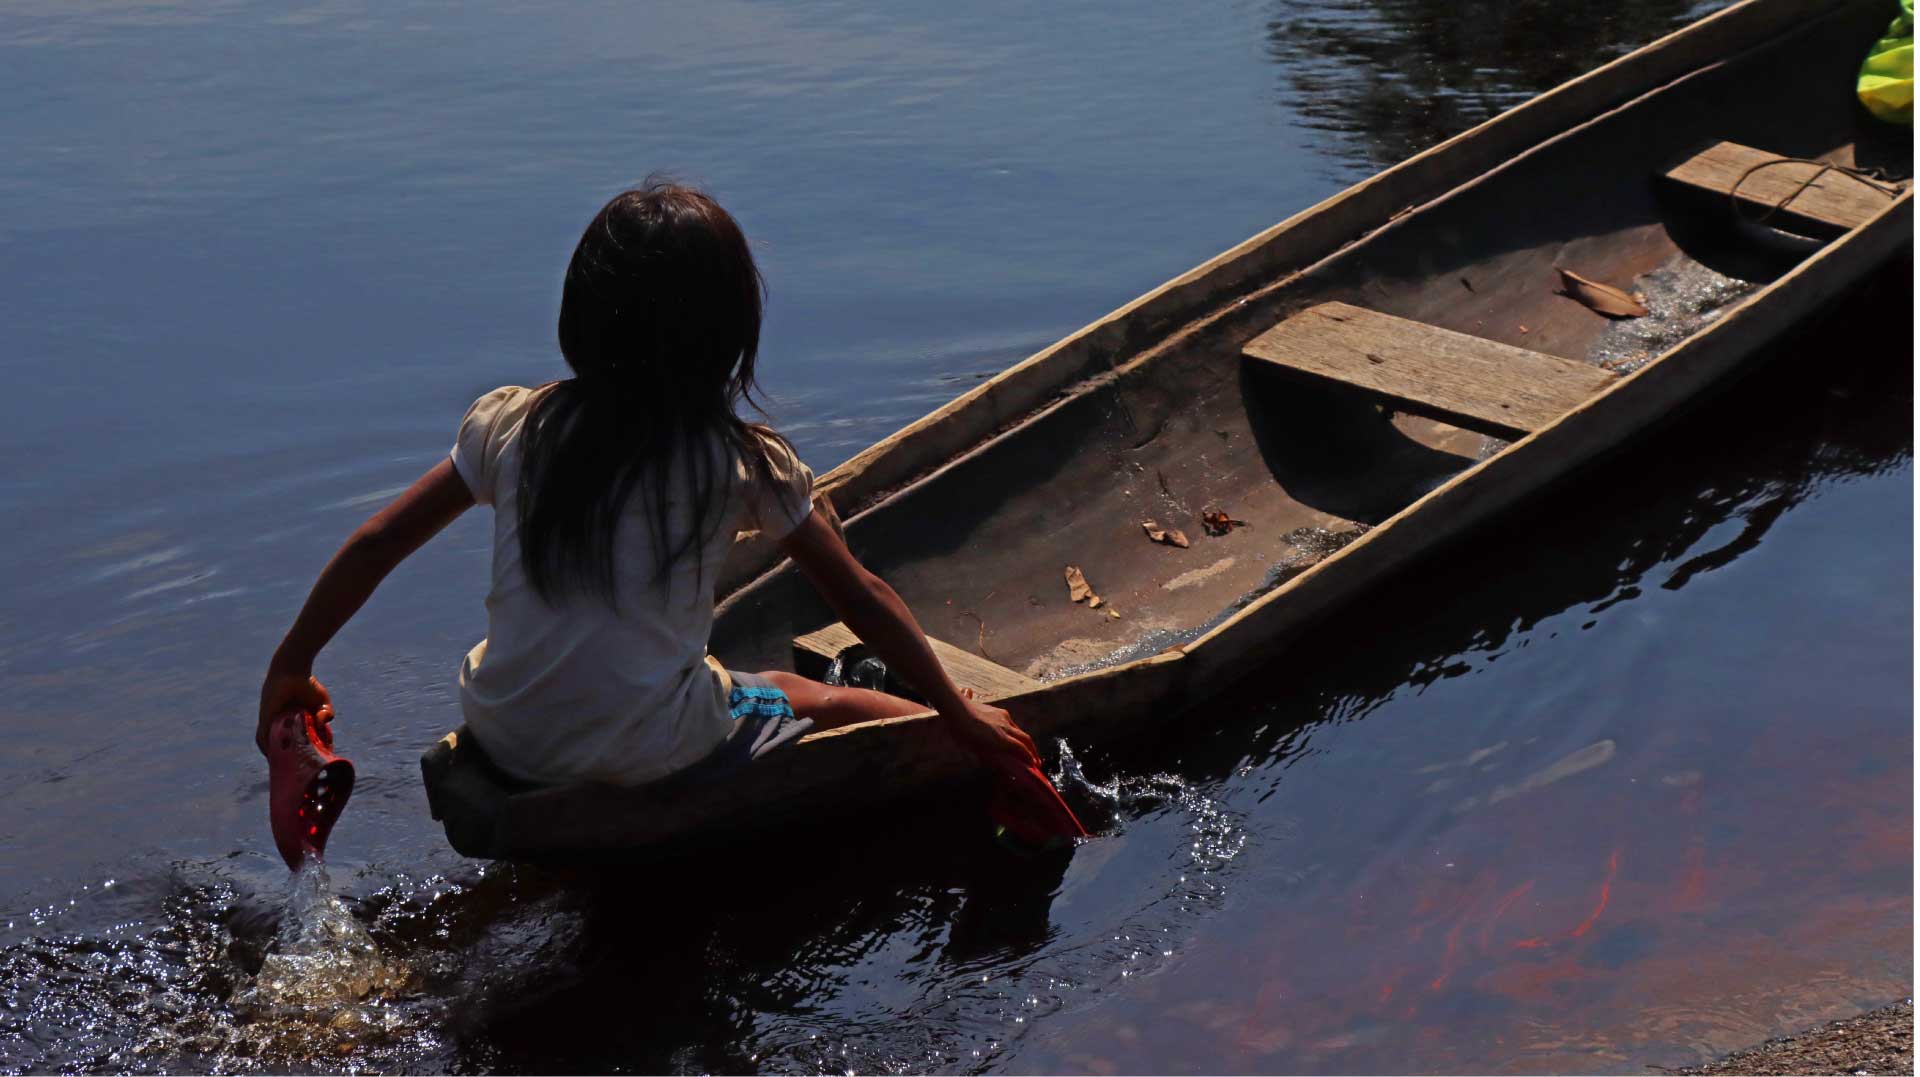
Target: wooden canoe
[{"x": 1361, "y": 384}]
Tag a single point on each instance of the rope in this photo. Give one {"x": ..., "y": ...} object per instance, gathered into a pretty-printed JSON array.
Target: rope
[{"x": 1863, "y": 175}]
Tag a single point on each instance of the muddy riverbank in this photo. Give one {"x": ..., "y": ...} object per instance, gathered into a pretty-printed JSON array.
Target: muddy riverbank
[{"x": 1879, "y": 1041}]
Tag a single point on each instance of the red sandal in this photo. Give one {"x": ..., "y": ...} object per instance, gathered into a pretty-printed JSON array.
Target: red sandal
[
  {"x": 1028, "y": 810},
  {"x": 307, "y": 786}
]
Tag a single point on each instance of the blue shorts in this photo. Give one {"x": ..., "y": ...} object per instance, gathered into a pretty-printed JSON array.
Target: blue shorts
[{"x": 763, "y": 721}]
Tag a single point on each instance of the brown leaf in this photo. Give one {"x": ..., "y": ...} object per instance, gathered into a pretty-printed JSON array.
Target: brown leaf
[
  {"x": 1166, "y": 535},
  {"x": 1080, "y": 591},
  {"x": 1077, "y": 589},
  {"x": 1218, "y": 522},
  {"x": 1601, "y": 298},
  {"x": 1113, "y": 613}
]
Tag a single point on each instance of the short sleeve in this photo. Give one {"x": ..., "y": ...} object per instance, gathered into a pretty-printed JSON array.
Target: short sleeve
[
  {"x": 775, "y": 508},
  {"x": 483, "y": 434}
]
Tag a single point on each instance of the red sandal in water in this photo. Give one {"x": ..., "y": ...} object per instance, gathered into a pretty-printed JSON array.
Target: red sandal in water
[{"x": 1028, "y": 809}]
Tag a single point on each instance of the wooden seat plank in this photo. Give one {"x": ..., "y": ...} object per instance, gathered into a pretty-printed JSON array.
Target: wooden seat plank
[
  {"x": 988, "y": 679},
  {"x": 1833, "y": 201},
  {"x": 1464, "y": 380}
]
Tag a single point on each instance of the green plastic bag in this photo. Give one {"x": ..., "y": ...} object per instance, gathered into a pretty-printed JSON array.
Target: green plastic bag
[{"x": 1886, "y": 79}]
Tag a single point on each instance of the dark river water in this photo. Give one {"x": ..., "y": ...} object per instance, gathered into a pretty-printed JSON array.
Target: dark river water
[{"x": 1625, "y": 781}]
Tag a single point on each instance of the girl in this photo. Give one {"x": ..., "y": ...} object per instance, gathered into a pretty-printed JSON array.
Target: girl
[{"x": 616, "y": 493}]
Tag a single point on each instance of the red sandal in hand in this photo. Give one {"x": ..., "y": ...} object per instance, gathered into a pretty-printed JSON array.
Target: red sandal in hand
[{"x": 307, "y": 785}]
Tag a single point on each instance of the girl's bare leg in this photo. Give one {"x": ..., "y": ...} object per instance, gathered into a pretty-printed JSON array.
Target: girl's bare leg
[{"x": 831, "y": 706}]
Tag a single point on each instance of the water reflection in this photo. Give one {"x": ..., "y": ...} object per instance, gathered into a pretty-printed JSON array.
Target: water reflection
[
  {"x": 1597, "y": 824},
  {"x": 1388, "y": 78}
]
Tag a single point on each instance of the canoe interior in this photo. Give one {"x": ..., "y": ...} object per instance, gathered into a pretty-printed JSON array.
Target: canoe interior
[{"x": 1186, "y": 424}]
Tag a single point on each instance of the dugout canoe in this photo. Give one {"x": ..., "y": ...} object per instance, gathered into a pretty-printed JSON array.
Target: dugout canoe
[{"x": 1361, "y": 384}]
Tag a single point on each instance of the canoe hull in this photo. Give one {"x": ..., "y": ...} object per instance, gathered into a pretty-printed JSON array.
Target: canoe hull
[{"x": 972, "y": 512}]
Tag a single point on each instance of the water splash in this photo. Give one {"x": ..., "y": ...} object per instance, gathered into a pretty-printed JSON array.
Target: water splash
[
  {"x": 217, "y": 981},
  {"x": 324, "y": 972},
  {"x": 323, "y": 989},
  {"x": 1218, "y": 834}
]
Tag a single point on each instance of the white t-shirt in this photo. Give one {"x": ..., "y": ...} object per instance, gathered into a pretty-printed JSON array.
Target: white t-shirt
[{"x": 578, "y": 691}]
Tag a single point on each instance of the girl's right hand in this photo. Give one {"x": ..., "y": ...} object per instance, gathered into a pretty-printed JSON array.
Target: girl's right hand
[{"x": 288, "y": 689}]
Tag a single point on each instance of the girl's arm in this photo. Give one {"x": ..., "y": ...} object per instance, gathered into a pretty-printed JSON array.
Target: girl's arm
[
  {"x": 372, "y": 551},
  {"x": 878, "y": 616}
]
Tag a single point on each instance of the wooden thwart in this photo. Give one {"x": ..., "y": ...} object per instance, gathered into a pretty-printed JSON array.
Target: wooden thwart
[
  {"x": 988, "y": 679},
  {"x": 1832, "y": 201},
  {"x": 1464, "y": 380}
]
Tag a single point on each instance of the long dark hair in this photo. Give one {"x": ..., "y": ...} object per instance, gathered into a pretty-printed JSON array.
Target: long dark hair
[{"x": 660, "y": 323}]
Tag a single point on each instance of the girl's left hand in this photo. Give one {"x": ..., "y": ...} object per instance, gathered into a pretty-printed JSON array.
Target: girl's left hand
[
  {"x": 287, "y": 689},
  {"x": 992, "y": 735}
]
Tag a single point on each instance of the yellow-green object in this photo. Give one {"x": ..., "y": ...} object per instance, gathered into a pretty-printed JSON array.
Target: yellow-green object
[{"x": 1886, "y": 79}]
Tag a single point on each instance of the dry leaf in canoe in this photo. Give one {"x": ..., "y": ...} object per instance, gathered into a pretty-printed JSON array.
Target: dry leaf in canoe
[
  {"x": 1601, "y": 298},
  {"x": 1166, "y": 535},
  {"x": 1077, "y": 589},
  {"x": 1219, "y": 523}
]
